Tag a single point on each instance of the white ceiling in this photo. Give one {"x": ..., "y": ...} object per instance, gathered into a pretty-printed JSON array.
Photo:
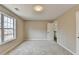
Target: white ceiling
[{"x": 51, "y": 11}]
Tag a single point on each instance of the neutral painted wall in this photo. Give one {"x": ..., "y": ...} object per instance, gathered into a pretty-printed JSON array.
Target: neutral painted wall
[
  {"x": 67, "y": 29},
  {"x": 20, "y": 28},
  {"x": 36, "y": 30}
]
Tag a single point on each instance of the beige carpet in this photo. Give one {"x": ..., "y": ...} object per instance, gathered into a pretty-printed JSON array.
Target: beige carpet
[{"x": 39, "y": 47}]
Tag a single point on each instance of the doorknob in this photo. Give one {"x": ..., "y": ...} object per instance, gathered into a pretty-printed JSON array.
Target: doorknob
[{"x": 77, "y": 37}]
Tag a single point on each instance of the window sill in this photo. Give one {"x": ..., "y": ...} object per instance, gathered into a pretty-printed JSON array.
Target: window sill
[{"x": 6, "y": 42}]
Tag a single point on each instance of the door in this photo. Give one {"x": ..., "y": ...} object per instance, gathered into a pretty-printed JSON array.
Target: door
[
  {"x": 50, "y": 33},
  {"x": 77, "y": 32}
]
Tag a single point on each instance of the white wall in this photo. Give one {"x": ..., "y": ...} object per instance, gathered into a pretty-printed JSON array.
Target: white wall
[
  {"x": 20, "y": 34},
  {"x": 36, "y": 30}
]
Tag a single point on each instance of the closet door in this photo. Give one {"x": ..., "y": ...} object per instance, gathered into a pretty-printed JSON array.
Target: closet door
[
  {"x": 77, "y": 32},
  {"x": 0, "y": 28}
]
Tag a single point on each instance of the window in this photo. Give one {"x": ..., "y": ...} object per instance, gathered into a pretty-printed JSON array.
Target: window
[{"x": 7, "y": 28}]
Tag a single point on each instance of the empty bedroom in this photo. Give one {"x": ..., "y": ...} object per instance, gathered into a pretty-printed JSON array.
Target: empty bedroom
[{"x": 39, "y": 29}]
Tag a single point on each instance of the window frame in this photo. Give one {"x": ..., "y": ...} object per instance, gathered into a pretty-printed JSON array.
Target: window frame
[{"x": 2, "y": 28}]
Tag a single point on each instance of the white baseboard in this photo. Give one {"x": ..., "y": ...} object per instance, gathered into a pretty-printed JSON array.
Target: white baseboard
[
  {"x": 67, "y": 49},
  {"x": 34, "y": 39}
]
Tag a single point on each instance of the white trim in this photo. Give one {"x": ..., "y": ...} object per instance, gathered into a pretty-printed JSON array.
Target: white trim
[
  {"x": 66, "y": 49},
  {"x": 36, "y": 39},
  {"x": 1, "y": 43}
]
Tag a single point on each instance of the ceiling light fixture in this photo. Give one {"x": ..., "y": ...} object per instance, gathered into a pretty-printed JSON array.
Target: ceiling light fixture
[{"x": 38, "y": 8}]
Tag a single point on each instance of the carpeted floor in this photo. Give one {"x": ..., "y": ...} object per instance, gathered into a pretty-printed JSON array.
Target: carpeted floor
[{"x": 39, "y": 47}]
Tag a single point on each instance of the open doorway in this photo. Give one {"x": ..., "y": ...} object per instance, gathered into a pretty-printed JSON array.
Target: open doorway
[{"x": 52, "y": 31}]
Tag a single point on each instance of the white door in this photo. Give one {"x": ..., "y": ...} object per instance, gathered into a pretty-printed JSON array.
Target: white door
[
  {"x": 50, "y": 33},
  {"x": 77, "y": 32}
]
